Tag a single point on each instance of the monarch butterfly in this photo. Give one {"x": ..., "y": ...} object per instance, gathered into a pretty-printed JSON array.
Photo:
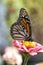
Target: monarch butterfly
[{"x": 21, "y": 30}]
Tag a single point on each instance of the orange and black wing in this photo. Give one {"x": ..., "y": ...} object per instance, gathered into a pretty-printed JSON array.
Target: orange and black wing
[{"x": 21, "y": 30}]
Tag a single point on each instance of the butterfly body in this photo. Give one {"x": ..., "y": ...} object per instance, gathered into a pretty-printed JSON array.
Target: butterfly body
[{"x": 21, "y": 30}]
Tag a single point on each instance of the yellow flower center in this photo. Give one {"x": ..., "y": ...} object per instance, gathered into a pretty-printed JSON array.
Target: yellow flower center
[{"x": 28, "y": 43}]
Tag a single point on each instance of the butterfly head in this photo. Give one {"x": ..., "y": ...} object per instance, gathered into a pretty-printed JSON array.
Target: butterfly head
[{"x": 24, "y": 14}]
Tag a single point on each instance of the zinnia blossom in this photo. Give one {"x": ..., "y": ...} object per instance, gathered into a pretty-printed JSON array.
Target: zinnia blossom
[
  {"x": 29, "y": 47},
  {"x": 12, "y": 56}
]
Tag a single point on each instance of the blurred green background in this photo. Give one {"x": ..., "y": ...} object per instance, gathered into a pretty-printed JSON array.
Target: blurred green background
[{"x": 9, "y": 13}]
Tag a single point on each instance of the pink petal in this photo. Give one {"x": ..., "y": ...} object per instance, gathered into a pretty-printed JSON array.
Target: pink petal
[
  {"x": 38, "y": 44},
  {"x": 32, "y": 53},
  {"x": 21, "y": 49},
  {"x": 41, "y": 49},
  {"x": 16, "y": 43},
  {"x": 26, "y": 50}
]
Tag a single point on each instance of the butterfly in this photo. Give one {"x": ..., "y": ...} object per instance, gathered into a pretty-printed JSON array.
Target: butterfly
[{"x": 21, "y": 30}]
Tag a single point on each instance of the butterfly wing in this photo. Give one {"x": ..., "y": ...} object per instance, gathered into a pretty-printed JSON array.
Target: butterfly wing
[
  {"x": 21, "y": 30},
  {"x": 17, "y": 32}
]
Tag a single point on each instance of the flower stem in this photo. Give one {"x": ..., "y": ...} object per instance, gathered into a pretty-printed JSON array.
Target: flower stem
[{"x": 26, "y": 58}]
